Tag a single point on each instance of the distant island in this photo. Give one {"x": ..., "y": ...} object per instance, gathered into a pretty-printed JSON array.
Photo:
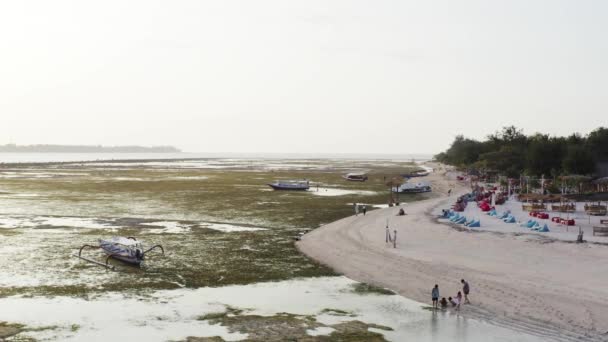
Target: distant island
[{"x": 85, "y": 149}]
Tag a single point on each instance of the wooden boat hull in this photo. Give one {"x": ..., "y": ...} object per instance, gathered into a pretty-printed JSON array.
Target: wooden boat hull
[
  {"x": 294, "y": 188},
  {"x": 121, "y": 253},
  {"x": 355, "y": 179},
  {"x": 414, "y": 191},
  {"x": 129, "y": 260}
]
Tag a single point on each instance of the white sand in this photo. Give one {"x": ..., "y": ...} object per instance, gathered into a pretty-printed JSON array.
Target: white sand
[
  {"x": 556, "y": 231},
  {"x": 543, "y": 286}
]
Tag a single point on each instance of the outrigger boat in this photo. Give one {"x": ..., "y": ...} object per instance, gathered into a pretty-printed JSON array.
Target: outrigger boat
[
  {"x": 412, "y": 188},
  {"x": 421, "y": 173},
  {"x": 355, "y": 177},
  {"x": 291, "y": 185},
  {"x": 125, "y": 249}
]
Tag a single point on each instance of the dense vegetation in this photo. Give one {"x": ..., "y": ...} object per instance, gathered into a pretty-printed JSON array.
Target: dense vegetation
[{"x": 512, "y": 153}]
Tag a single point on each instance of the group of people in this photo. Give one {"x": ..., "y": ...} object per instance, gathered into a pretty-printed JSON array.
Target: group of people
[
  {"x": 359, "y": 208},
  {"x": 455, "y": 301}
]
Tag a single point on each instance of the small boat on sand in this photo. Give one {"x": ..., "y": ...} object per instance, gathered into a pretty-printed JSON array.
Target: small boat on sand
[
  {"x": 125, "y": 249},
  {"x": 290, "y": 185},
  {"x": 412, "y": 188},
  {"x": 355, "y": 177},
  {"x": 420, "y": 173}
]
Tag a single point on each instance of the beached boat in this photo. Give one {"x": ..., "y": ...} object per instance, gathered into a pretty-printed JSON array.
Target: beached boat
[
  {"x": 420, "y": 173},
  {"x": 413, "y": 188},
  {"x": 126, "y": 249},
  {"x": 355, "y": 177},
  {"x": 291, "y": 185}
]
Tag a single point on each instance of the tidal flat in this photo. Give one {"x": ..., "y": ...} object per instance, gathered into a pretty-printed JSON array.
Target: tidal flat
[
  {"x": 219, "y": 222},
  {"x": 230, "y": 271},
  {"x": 218, "y": 226}
]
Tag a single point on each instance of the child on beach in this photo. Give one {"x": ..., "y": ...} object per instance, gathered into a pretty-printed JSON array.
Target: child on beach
[
  {"x": 452, "y": 301},
  {"x": 444, "y": 303},
  {"x": 465, "y": 289},
  {"x": 435, "y": 296},
  {"x": 458, "y": 300}
]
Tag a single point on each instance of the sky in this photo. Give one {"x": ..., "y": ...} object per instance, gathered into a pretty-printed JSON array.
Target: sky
[{"x": 330, "y": 76}]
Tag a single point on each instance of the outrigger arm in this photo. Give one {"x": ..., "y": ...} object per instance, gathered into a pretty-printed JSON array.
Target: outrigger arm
[
  {"x": 106, "y": 265},
  {"x": 155, "y": 246}
]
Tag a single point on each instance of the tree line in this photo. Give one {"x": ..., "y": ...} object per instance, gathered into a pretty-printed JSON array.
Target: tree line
[{"x": 512, "y": 153}]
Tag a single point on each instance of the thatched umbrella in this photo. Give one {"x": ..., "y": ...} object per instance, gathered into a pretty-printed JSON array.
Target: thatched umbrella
[
  {"x": 602, "y": 183},
  {"x": 574, "y": 179}
]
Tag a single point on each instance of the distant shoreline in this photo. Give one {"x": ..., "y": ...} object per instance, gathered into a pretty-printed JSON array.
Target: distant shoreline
[{"x": 43, "y": 148}]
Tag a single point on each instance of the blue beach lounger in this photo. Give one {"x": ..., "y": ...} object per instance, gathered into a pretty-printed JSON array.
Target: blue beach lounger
[
  {"x": 475, "y": 224},
  {"x": 509, "y": 219}
]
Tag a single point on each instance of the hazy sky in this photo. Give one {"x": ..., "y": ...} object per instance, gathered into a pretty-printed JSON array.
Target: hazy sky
[{"x": 299, "y": 76}]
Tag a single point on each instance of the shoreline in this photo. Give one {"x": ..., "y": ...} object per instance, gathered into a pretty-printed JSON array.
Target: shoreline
[{"x": 552, "y": 290}]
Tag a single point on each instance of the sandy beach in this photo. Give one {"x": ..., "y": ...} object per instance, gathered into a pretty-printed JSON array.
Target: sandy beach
[{"x": 543, "y": 286}]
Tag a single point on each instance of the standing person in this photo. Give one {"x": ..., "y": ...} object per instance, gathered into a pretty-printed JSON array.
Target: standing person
[
  {"x": 458, "y": 300},
  {"x": 435, "y": 296},
  {"x": 364, "y": 209},
  {"x": 356, "y": 208},
  {"x": 465, "y": 288}
]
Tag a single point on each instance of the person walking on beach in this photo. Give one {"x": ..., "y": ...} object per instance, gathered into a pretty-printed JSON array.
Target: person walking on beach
[
  {"x": 435, "y": 296},
  {"x": 356, "y": 209},
  {"x": 364, "y": 209},
  {"x": 465, "y": 288}
]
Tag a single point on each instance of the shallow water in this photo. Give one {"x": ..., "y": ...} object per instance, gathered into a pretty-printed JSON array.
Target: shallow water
[{"x": 173, "y": 314}]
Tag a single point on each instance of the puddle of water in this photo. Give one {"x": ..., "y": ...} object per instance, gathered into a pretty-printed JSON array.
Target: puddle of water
[
  {"x": 172, "y": 314},
  {"x": 228, "y": 228},
  {"x": 169, "y": 227},
  {"x": 49, "y": 221},
  {"x": 339, "y": 192}
]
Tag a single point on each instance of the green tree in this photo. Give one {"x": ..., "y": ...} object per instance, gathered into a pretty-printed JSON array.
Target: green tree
[
  {"x": 597, "y": 142},
  {"x": 578, "y": 161},
  {"x": 543, "y": 155}
]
